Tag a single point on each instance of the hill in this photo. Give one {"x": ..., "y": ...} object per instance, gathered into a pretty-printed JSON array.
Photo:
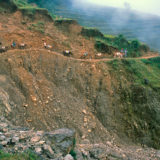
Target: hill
[
  {"x": 110, "y": 101},
  {"x": 109, "y": 20}
]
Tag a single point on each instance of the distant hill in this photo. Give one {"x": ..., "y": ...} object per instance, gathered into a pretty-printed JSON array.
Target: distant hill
[{"x": 109, "y": 20}]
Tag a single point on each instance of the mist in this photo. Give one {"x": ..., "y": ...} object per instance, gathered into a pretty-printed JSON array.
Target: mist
[
  {"x": 146, "y": 6},
  {"x": 111, "y": 19}
]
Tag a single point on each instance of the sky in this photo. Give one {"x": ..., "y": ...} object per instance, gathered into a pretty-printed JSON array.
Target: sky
[{"x": 147, "y": 6}]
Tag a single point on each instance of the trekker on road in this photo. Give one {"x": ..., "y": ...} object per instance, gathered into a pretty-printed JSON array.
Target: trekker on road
[
  {"x": 13, "y": 44},
  {"x": 125, "y": 52}
]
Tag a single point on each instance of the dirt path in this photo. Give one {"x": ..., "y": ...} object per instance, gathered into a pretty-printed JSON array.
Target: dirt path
[{"x": 82, "y": 60}]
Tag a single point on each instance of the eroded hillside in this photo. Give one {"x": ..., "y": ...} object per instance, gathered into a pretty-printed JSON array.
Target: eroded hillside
[{"x": 102, "y": 100}]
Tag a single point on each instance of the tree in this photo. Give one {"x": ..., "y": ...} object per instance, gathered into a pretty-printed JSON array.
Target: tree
[{"x": 135, "y": 44}]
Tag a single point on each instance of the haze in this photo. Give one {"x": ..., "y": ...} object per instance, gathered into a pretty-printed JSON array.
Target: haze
[{"x": 147, "y": 6}]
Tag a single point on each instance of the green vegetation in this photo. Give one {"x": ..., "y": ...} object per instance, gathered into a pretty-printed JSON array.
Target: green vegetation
[
  {"x": 140, "y": 69},
  {"x": 2, "y": 9},
  {"x": 72, "y": 152},
  {"x": 107, "y": 43},
  {"x": 19, "y": 156},
  {"x": 28, "y": 9},
  {"x": 103, "y": 43},
  {"x": 62, "y": 22},
  {"x": 91, "y": 32},
  {"x": 23, "y": 4},
  {"x": 102, "y": 47},
  {"x": 39, "y": 27},
  {"x": 144, "y": 69},
  {"x": 140, "y": 112},
  {"x": 134, "y": 47}
]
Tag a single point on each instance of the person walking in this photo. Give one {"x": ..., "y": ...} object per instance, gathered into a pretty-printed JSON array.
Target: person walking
[
  {"x": 122, "y": 50},
  {"x": 125, "y": 52}
]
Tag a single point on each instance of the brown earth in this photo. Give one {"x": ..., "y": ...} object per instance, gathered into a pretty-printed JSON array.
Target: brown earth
[{"x": 43, "y": 89}]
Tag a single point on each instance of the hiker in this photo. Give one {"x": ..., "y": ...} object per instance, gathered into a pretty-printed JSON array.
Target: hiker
[
  {"x": 125, "y": 52},
  {"x": 13, "y": 45},
  {"x": 85, "y": 54},
  {"x": 122, "y": 50}
]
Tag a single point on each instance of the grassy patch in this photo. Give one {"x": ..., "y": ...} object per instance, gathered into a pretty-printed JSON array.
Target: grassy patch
[
  {"x": 134, "y": 47},
  {"x": 39, "y": 27},
  {"x": 140, "y": 109},
  {"x": 144, "y": 69},
  {"x": 136, "y": 70},
  {"x": 91, "y": 32},
  {"x": 19, "y": 156},
  {"x": 2, "y": 9},
  {"x": 23, "y": 4}
]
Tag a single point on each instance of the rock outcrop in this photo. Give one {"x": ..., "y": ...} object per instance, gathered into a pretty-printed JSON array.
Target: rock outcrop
[
  {"x": 60, "y": 145},
  {"x": 48, "y": 145}
]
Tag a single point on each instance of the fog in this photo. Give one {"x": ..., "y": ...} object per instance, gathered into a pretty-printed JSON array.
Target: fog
[
  {"x": 121, "y": 17},
  {"x": 115, "y": 17},
  {"x": 147, "y": 6}
]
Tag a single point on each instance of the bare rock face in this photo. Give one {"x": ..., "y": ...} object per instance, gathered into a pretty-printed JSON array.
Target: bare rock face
[
  {"x": 62, "y": 140},
  {"x": 48, "y": 145},
  {"x": 60, "y": 145}
]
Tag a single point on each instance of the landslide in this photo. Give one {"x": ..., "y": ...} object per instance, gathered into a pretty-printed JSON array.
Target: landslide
[
  {"x": 43, "y": 89},
  {"x": 46, "y": 90}
]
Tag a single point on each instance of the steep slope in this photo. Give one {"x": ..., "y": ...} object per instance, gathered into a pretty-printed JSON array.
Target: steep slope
[{"x": 102, "y": 100}]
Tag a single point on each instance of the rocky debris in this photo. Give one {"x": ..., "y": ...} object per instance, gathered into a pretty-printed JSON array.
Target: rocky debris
[
  {"x": 63, "y": 140},
  {"x": 60, "y": 145},
  {"x": 48, "y": 145},
  {"x": 111, "y": 151}
]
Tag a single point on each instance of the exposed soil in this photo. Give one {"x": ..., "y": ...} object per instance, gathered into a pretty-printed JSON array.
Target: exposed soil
[{"x": 43, "y": 89}]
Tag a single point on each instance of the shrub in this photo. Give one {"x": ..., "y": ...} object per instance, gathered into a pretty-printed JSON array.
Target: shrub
[
  {"x": 101, "y": 47},
  {"x": 74, "y": 154},
  {"x": 91, "y": 32},
  {"x": 121, "y": 42},
  {"x": 135, "y": 44}
]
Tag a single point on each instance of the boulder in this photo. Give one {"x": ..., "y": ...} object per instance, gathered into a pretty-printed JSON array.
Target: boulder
[
  {"x": 62, "y": 140},
  {"x": 68, "y": 157}
]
